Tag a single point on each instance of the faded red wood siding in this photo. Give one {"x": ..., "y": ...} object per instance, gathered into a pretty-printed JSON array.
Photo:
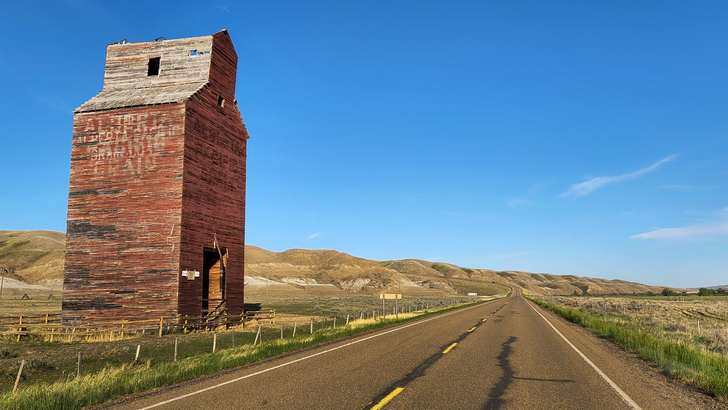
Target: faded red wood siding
[
  {"x": 152, "y": 186},
  {"x": 124, "y": 214},
  {"x": 213, "y": 200},
  {"x": 223, "y": 67}
]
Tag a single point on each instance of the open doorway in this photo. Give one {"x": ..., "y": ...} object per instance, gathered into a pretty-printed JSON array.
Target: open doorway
[{"x": 213, "y": 281}]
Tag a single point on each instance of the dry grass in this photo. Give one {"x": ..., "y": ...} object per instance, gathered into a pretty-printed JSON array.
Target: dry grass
[
  {"x": 33, "y": 307},
  {"x": 674, "y": 318}
]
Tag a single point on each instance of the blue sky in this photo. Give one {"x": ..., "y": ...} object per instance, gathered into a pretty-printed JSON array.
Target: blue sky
[{"x": 563, "y": 137}]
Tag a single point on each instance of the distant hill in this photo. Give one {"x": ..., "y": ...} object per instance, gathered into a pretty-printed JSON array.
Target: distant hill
[
  {"x": 301, "y": 270},
  {"x": 33, "y": 257},
  {"x": 36, "y": 258}
]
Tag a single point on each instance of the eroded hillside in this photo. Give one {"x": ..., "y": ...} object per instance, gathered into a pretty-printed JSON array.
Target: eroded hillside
[{"x": 36, "y": 257}]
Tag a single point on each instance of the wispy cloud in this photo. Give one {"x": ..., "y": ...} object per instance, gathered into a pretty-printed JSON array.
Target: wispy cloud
[
  {"x": 702, "y": 231},
  {"x": 511, "y": 255},
  {"x": 587, "y": 187},
  {"x": 314, "y": 235},
  {"x": 687, "y": 232}
]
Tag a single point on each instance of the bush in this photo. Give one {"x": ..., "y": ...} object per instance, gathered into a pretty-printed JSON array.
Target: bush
[{"x": 705, "y": 292}]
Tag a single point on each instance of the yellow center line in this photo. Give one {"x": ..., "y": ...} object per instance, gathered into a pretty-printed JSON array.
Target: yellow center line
[
  {"x": 448, "y": 349},
  {"x": 484, "y": 319},
  {"x": 471, "y": 329},
  {"x": 389, "y": 397}
]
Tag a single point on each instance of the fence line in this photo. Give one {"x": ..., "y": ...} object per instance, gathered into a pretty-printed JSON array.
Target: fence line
[{"x": 51, "y": 326}]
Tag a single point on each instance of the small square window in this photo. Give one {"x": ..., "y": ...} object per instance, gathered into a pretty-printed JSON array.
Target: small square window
[{"x": 153, "y": 68}]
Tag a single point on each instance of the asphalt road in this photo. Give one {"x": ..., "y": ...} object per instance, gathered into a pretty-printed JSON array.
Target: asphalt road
[{"x": 504, "y": 354}]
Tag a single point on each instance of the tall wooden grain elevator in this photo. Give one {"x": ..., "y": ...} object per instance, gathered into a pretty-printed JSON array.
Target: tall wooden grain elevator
[{"x": 156, "y": 201}]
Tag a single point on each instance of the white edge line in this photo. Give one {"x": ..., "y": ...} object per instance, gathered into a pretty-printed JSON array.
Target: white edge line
[
  {"x": 304, "y": 358},
  {"x": 625, "y": 398}
]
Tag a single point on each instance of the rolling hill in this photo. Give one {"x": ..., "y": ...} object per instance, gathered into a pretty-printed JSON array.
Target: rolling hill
[
  {"x": 33, "y": 257},
  {"x": 36, "y": 258}
]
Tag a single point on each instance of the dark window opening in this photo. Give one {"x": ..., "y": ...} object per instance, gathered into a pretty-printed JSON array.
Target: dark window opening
[
  {"x": 220, "y": 101},
  {"x": 153, "y": 66}
]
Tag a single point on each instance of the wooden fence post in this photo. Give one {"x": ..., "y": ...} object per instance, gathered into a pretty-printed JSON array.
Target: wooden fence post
[
  {"x": 281, "y": 332},
  {"x": 161, "y": 323},
  {"x": 334, "y": 322},
  {"x": 294, "y": 329},
  {"x": 214, "y": 342},
  {"x": 175, "y": 349},
  {"x": 258, "y": 335},
  {"x": 311, "y": 325},
  {"x": 80, "y": 360},
  {"x": 347, "y": 320},
  {"x": 20, "y": 328},
  {"x": 137, "y": 352},
  {"x": 17, "y": 379}
]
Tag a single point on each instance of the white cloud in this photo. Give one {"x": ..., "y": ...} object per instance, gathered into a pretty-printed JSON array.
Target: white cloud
[
  {"x": 314, "y": 235},
  {"x": 700, "y": 231},
  {"x": 593, "y": 184},
  {"x": 687, "y": 232}
]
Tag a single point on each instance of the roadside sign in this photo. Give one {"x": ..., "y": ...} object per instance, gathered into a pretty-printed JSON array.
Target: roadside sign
[{"x": 396, "y": 297}]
